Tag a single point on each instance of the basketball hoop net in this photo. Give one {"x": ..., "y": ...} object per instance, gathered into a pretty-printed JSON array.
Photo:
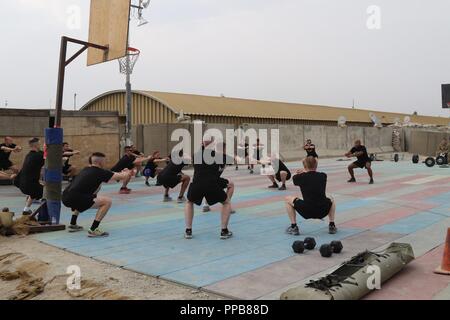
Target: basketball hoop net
[{"x": 128, "y": 62}]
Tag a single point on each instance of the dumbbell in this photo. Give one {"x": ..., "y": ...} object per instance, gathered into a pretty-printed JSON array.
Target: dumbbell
[
  {"x": 415, "y": 158},
  {"x": 300, "y": 246},
  {"x": 327, "y": 250}
]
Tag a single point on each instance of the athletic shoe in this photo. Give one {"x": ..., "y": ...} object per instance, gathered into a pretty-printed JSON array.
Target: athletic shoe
[
  {"x": 188, "y": 234},
  {"x": 27, "y": 213},
  {"x": 293, "y": 230},
  {"x": 181, "y": 200},
  {"x": 351, "y": 180},
  {"x": 251, "y": 171},
  {"x": 97, "y": 233},
  {"x": 332, "y": 229},
  {"x": 124, "y": 191},
  {"x": 147, "y": 183},
  {"x": 371, "y": 181},
  {"x": 226, "y": 235},
  {"x": 233, "y": 211},
  {"x": 282, "y": 188},
  {"x": 274, "y": 186},
  {"x": 206, "y": 209},
  {"x": 167, "y": 199},
  {"x": 75, "y": 228}
]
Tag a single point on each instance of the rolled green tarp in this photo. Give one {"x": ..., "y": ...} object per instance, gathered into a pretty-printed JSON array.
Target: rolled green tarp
[{"x": 353, "y": 279}]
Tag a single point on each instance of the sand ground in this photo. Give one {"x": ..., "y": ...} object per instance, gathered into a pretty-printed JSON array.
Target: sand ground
[{"x": 30, "y": 269}]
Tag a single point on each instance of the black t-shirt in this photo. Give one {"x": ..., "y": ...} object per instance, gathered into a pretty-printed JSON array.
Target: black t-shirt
[
  {"x": 151, "y": 164},
  {"x": 32, "y": 165},
  {"x": 127, "y": 162},
  {"x": 227, "y": 160},
  {"x": 208, "y": 173},
  {"x": 4, "y": 155},
  {"x": 89, "y": 180},
  {"x": 311, "y": 150},
  {"x": 172, "y": 169},
  {"x": 313, "y": 186},
  {"x": 364, "y": 157}
]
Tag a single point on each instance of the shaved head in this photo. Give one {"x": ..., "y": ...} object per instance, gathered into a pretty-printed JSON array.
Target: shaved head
[{"x": 310, "y": 163}]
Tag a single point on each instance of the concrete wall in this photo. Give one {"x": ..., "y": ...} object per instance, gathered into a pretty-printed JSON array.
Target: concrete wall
[
  {"x": 423, "y": 142},
  {"x": 86, "y": 132},
  {"x": 330, "y": 141}
]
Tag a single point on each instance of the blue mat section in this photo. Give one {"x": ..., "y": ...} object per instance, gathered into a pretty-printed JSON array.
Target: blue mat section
[
  {"x": 411, "y": 224},
  {"x": 233, "y": 265}
]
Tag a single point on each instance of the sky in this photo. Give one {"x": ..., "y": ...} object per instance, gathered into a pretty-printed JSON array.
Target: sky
[{"x": 387, "y": 55}]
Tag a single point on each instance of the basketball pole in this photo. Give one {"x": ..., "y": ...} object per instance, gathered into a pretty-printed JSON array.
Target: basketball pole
[
  {"x": 54, "y": 136},
  {"x": 129, "y": 102}
]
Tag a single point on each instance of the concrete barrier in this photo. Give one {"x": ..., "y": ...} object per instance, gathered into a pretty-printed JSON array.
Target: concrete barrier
[{"x": 330, "y": 141}]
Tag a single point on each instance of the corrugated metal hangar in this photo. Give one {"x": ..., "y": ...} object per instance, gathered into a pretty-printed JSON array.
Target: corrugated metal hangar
[{"x": 151, "y": 107}]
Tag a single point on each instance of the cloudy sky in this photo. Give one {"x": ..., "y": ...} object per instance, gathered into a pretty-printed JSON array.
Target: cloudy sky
[{"x": 309, "y": 51}]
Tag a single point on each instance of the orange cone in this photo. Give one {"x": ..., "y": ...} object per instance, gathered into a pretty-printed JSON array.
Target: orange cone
[{"x": 445, "y": 267}]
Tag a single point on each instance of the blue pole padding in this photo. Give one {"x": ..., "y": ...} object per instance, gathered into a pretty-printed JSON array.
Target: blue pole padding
[
  {"x": 54, "y": 211},
  {"x": 54, "y": 136},
  {"x": 53, "y": 175}
]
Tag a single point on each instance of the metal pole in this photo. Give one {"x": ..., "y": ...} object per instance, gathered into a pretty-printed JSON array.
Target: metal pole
[
  {"x": 128, "y": 100},
  {"x": 75, "y": 102},
  {"x": 60, "y": 87}
]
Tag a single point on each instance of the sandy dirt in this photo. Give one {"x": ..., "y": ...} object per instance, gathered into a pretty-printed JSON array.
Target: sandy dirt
[{"x": 33, "y": 270}]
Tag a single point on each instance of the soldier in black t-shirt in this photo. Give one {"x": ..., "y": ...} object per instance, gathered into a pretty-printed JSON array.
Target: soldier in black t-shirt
[
  {"x": 206, "y": 184},
  {"x": 171, "y": 176},
  {"x": 226, "y": 184},
  {"x": 315, "y": 204},
  {"x": 6, "y": 149},
  {"x": 28, "y": 179},
  {"x": 128, "y": 161},
  {"x": 151, "y": 169},
  {"x": 363, "y": 161},
  {"x": 310, "y": 149},
  {"x": 81, "y": 194},
  {"x": 282, "y": 175},
  {"x": 69, "y": 170}
]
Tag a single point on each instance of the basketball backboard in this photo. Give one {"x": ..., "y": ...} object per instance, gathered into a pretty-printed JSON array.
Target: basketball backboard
[
  {"x": 446, "y": 96},
  {"x": 108, "y": 26}
]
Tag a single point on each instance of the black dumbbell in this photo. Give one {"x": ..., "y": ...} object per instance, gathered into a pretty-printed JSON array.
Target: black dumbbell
[
  {"x": 327, "y": 250},
  {"x": 300, "y": 246},
  {"x": 415, "y": 158}
]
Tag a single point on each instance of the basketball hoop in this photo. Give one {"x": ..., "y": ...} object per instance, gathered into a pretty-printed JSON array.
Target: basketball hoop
[{"x": 128, "y": 62}]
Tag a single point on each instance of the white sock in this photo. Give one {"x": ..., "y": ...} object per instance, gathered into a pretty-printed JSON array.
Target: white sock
[{"x": 27, "y": 209}]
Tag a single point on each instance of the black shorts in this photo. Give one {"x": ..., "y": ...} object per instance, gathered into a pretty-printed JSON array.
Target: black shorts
[
  {"x": 78, "y": 201},
  {"x": 34, "y": 190},
  {"x": 316, "y": 211},
  {"x": 212, "y": 192},
  {"x": 5, "y": 165},
  {"x": 278, "y": 176},
  {"x": 361, "y": 164},
  {"x": 314, "y": 155},
  {"x": 169, "y": 181},
  {"x": 223, "y": 183}
]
